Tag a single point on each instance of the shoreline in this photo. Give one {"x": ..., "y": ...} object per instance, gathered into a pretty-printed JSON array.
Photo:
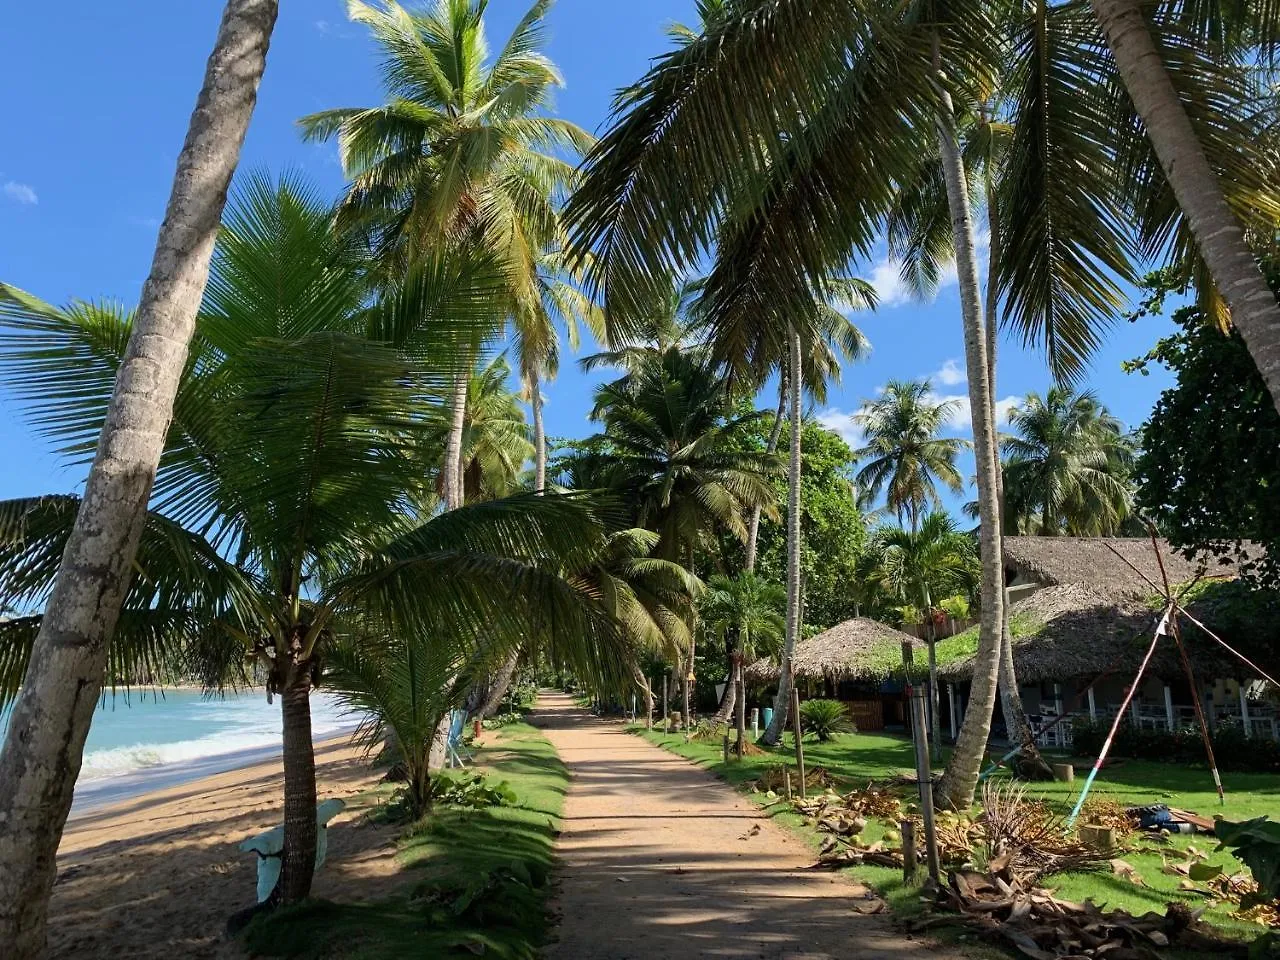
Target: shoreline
[{"x": 98, "y": 796}]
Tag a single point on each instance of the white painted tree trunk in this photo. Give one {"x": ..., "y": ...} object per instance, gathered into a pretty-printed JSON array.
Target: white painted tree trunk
[
  {"x": 45, "y": 742},
  {"x": 961, "y": 776},
  {"x": 782, "y": 703},
  {"x": 1217, "y": 232}
]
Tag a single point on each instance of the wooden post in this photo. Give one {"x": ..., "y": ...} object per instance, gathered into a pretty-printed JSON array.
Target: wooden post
[
  {"x": 1133, "y": 708},
  {"x": 755, "y": 723},
  {"x": 1244, "y": 709},
  {"x": 925, "y": 778},
  {"x": 910, "y": 865},
  {"x": 1093, "y": 704},
  {"x": 795, "y": 713},
  {"x": 726, "y": 749},
  {"x": 786, "y": 776},
  {"x": 1168, "y": 706}
]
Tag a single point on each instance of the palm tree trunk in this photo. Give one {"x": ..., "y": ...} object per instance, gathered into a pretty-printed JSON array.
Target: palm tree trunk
[
  {"x": 643, "y": 683},
  {"x": 753, "y": 530},
  {"x": 961, "y": 776},
  {"x": 299, "y": 858},
  {"x": 1218, "y": 234},
  {"x": 1031, "y": 765},
  {"x": 45, "y": 741},
  {"x": 539, "y": 435},
  {"x": 451, "y": 487},
  {"x": 685, "y": 684},
  {"x": 741, "y": 698},
  {"x": 499, "y": 684},
  {"x": 782, "y": 703}
]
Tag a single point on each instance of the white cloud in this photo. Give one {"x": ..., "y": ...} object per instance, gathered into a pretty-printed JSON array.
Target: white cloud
[
  {"x": 322, "y": 26},
  {"x": 20, "y": 193},
  {"x": 962, "y": 418},
  {"x": 841, "y": 422},
  {"x": 890, "y": 290},
  {"x": 950, "y": 374}
]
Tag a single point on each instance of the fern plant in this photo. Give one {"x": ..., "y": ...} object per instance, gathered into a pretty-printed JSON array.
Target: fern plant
[{"x": 824, "y": 719}]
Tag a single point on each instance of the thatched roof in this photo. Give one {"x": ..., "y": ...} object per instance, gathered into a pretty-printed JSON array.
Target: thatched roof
[
  {"x": 1092, "y": 562},
  {"x": 853, "y": 650},
  {"x": 1072, "y": 631}
]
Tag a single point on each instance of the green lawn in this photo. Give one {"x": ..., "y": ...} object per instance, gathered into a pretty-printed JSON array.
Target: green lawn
[
  {"x": 859, "y": 758},
  {"x": 460, "y": 898}
]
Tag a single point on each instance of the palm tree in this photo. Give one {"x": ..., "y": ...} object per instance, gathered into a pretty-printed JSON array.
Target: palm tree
[
  {"x": 460, "y": 155},
  {"x": 495, "y": 436},
  {"x": 920, "y": 566},
  {"x": 284, "y": 499},
  {"x": 46, "y": 733},
  {"x": 794, "y": 123},
  {"x": 905, "y": 457},
  {"x": 1068, "y": 466},
  {"x": 745, "y": 612}
]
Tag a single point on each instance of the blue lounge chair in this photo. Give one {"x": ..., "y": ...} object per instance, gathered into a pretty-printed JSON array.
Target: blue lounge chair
[{"x": 457, "y": 746}]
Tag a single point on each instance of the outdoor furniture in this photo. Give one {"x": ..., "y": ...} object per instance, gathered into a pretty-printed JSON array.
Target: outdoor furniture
[
  {"x": 456, "y": 747},
  {"x": 269, "y": 847}
]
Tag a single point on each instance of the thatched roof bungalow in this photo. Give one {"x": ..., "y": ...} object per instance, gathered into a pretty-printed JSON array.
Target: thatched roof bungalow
[
  {"x": 1093, "y": 562},
  {"x": 858, "y": 649}
]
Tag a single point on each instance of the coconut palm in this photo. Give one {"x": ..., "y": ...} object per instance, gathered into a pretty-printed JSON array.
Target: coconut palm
[
  {"x": 798, "y": 164},
  {"x": 1067, "y": 467},
  {"x": 747, "y": 612},
  {"x": 905, "y": 457},
  {"x": 286, "y": 490},
  {"x": 46, "y": 734},
  {"x": 495, "y": 436},
  {"x": 460, "y": 155},
  {"x": 921, "y": 566}
]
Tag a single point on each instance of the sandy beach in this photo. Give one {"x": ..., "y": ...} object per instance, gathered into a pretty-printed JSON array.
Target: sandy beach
[{"x": 159, "y": 874}]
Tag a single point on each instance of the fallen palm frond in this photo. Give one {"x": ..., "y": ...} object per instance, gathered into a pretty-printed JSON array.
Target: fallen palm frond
[
  {"x": 1028, "y": 837},
  {"x": 1105, "y": 812},
  {"x": 1044, "y": 928},
  {"x": 775, "y": 778}
]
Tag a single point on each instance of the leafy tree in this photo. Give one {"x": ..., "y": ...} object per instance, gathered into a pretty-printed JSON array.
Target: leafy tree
[
  {"x": 46, "y": 733},
  {"x": 1208, "y": 466},
  {"x": 745, "y": 611},
  {"x": 1068, "y": 465},
  {"x": 283, "y": 523},
  {"x": 905, "y": 457},
  {"x": 495, "y": 436}
]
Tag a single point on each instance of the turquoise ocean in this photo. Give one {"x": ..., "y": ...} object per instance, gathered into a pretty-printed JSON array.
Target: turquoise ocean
[{"x": 147, "y": 740}]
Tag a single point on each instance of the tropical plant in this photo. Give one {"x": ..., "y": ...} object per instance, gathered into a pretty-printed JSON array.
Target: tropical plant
[
  {"x": 462, "y": 155},
  {"x": 795, "y": 122},
  {"x": 824, "y": 719},
  {"x": 46, "y": 733},
  {"x": 495, "y": 437},
  {"x": 920, "y": 565},
  {"x": 1068, "y": 466},
  {"x": 283, "y": 507},
  {"x": 905, "y": 456},
  {"x": 745, "y": 612}
]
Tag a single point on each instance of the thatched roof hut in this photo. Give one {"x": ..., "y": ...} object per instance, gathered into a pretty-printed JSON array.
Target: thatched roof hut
[
  {"x": 1092, "y": 563},
  {"x": 858, "y": 649},
  {"x": 1070, "y": 631}
]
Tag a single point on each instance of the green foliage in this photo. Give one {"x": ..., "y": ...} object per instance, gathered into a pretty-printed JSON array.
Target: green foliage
[
  {"x": 833, "y": 528},
  {"x": 917, "y": 566},
  {"x": 1232, "y": 749},
  {"x": 503, "y": 719},
  {"x": 472, "y": 791},
  {"x": 825, "y": 718},
  {"x": 1209, "y": 468},
  {"x": 1257, "y": 843}
]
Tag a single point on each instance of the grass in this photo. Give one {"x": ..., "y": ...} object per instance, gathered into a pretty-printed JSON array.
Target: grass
[
  {"x": 476, "y": 879},
  {"x": 856, "y": 759}
]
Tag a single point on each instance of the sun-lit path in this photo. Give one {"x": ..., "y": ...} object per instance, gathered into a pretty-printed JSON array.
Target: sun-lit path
[{"x": 661, "y": 860}]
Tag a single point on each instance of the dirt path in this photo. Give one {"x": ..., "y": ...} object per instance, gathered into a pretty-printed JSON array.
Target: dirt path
[{"x": 660, "y": 859}]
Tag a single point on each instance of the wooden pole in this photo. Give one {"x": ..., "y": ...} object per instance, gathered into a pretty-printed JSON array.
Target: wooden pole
[
  {"x": 910, "y": 865},
  {"x": 786, "y": 776},
  {"x": 726, "y": 749},
  {"x": 795, "y": 713},
  {"x": 740, "y": 695},
  {"x": 924, "y": 776},
  {"x": 666, "y": 711}
]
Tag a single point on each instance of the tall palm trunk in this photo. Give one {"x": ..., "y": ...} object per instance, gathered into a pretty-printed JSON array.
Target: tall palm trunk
[
  {"x": 539, "y": 435},
  {"x": 961, "y": 776},
  {"x": 753, "y": 530},
  {"x": 1218, "y": 234},
  {"x": 1030, "y": 764},
  {"x": 782, "y": 703},
  {"x": 935, "y": 721},
  {"x": 299, "y": 857},
  {"x": 731, "y": 648},
  {"x": 499, "y": 684},
  {"x": 452, "y": 484},
  {"x": 647, "y": 690},
  {"x": 45, "y": 741}
]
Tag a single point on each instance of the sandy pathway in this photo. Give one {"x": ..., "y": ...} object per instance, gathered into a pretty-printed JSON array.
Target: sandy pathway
[{"x": 660, "y": 859}]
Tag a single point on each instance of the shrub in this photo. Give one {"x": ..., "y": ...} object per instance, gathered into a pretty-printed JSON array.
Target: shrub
[
  {"x": 824, "y": 718},
  {"x": 1232, "y": 749}
]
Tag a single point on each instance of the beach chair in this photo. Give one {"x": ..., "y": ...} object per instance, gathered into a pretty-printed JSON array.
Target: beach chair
[
  {"x": 457, "y": 746},
  {"x": 269, "y": 847}
]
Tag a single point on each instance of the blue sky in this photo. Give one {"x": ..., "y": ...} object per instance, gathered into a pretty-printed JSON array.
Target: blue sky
[{"x": 96, "y": 111}]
